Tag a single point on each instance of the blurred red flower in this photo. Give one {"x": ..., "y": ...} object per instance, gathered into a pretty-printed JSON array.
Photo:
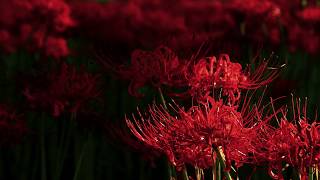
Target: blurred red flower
[
  {"x": 12, "y": 127},
  {"x": 33, "y": 25},
  {"x": 158, "y": 67},
  {"x": 65, "y": 89}
]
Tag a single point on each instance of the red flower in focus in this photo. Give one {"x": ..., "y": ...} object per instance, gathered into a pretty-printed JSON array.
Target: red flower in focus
[
  {"x": 210, "y": 73},
  {"x": 63, "y": 89},
  {"x": 296, "y": 143},
  {"x": 275, "y": 146},
  {"x": 189, "y": 137},
  {"x": 12, "y": 128},
  {"x": 158, "y": 67}
]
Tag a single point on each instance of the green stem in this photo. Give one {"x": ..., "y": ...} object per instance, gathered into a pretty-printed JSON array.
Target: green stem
[
  {"x": 35, "y": 167},
  {"x": 198, "y": 176},
  {"x": 185, "y": 174},
  {"x": 218, "y": 170},
  {"x": 214, "y": 170},
  {"x": 170, "y": 169},
  {"x": 64, "y": 145},
  {"x": 310, "y": 176},
  {"x": 162, "y": 98},
  {"x": 43, "y": 150},
  {"x": 222, "y": 163},
  {"x": 79, "y": 163},
  {"x": 317, "y": 172}
]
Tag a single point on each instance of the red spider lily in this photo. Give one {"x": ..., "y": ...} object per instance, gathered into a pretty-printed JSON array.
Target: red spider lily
[
  {"x": 295, "y": 143},
  {"x": 63, "y": 89},
  {"x": 302, "y": 27},
  {"x": 131, "y": 24},
  {"x": 34, "y": 24},
  {"x": 209, "y": 74},
  {"x": 189, "y": 137},
  {"x": 303, "y": 37},
  {"x": 12, "y": 128},
  {"x": 183, "y": 25},
  {"x": 158, "y": 67},
  {"x": 173, "y": 138},
  {"x": 309, "y": 135},
  {"x": 274, "y": 146}
]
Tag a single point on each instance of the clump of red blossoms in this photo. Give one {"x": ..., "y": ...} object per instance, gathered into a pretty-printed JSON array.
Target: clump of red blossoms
[
  {"x": 210, "y": 74},
  {"x": 198, "y": 136},
  {"x": 186, "y": 24},
  {"x": 12, "y": 127},
  {"x": 35, "y": 25},
  {"x": 192, "y": 137},
  {"x": 302, "y": 26},
  {"x": 63, "y": 89},
  {"x": 274, "y": 146},
  {"x": 158, "y": 67},
  {"x": 259, "y": 20},
  {"x": 294, "y": 142},
  {"x": 201, "y": 76}
]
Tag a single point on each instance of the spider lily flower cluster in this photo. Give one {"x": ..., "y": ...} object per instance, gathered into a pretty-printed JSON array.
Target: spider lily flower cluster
[
  {"x": 214, "y": 120},
  {"x": 47, "y": 25},
  {"x": 185, "y": 23},
  {"x": 243, "y": 130},
  {"x": 294, "y": 142},
  {"x": 162, "y": 67},
  {"x": 12, "y": 127},
  {"x": 62, "y": 89}
]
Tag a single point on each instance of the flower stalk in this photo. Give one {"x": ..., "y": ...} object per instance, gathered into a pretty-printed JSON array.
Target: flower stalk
[
  {"x": 214, "y": 170},
  {"x": 185, "y": 174},
  {"x": 82, "y": 154},
  {"x": 310, "y": 176},
  {"x": 169, "y": 167},
  {"x": 43, "y": 150},
  {"x": 222, "y": 163}
]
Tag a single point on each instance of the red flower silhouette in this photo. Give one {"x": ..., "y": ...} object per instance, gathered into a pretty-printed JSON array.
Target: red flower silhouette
[
  {"x": 56, "y": 47},
  {"x": 63, "y": 89},
  {"x": 33, "y": 25},
  {"x": 12, "y": 127},
  {"x": 158, "y": 67},
  {"x": 310, "y": 14}
]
